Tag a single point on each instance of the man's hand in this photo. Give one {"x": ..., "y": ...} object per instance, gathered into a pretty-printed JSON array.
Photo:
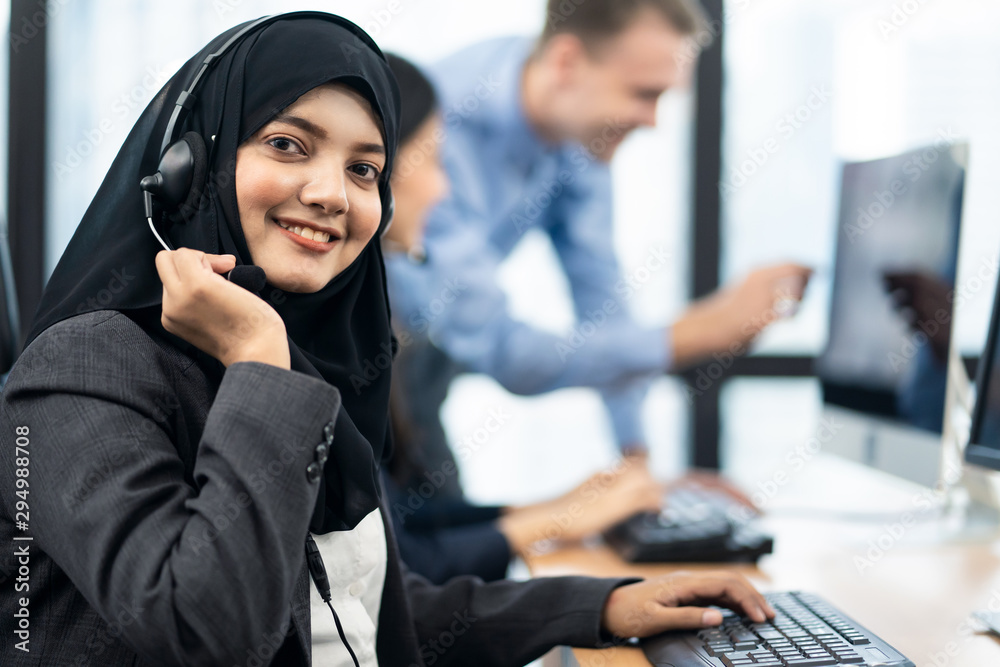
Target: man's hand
[
  {"x": 676, "y": 602},
  {"x": 735, "y": 315}
]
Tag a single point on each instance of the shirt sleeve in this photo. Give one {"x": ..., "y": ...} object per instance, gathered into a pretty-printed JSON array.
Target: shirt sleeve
[
  {"x": 506, "y": 623},
  {"x": 625, "y": 404},
  {"x": 444, "y": 538},
  {"x": 477, "y": 549},
  {"x": 454, "y": 298},
  {"x": 582, "y": 234}
]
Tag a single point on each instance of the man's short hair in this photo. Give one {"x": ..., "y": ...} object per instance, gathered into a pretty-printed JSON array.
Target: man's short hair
[{"x": 597, "y": 20}]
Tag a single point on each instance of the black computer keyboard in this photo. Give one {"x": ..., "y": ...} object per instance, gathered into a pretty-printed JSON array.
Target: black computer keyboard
[
  {"x": 807, "y": 632},
  {"x": 697, "y": 524}
]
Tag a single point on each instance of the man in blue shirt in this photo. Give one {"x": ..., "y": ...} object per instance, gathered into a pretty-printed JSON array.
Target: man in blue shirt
[{"x": 529, "y": 128}]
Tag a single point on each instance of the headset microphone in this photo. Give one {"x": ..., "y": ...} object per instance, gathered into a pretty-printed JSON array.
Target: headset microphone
[{"x": 249, "y": 277}]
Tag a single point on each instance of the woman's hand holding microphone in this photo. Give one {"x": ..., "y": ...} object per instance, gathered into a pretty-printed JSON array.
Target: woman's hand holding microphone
[{"x": 215, "y": 315}]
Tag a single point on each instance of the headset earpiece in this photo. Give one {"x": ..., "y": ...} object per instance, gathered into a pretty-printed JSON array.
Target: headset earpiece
[
  {"x": 178, "y": 178},
  {"x": 193, "y": 199}
]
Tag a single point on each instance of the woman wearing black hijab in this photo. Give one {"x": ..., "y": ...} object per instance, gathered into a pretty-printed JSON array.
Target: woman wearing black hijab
[
  {"x": 180, "y": 437},
  {"x": 441, "y": 536}
]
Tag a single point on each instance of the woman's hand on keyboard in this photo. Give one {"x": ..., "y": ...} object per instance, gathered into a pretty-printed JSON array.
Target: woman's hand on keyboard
[{"x": 677, "y": 602}]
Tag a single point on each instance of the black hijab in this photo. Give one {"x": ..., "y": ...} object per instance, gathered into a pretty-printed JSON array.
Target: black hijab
[
  {"x": 341, "y": 333},
  {"x": 416, "y": 92}
]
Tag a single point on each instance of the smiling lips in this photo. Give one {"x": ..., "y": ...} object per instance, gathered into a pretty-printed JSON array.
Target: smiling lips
[{"x": 308, "y": 237}]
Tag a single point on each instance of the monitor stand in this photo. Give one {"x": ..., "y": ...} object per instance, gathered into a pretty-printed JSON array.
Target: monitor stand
[
  {"x": 900, "y": 450},
  {"x": 975, "y": 488}
]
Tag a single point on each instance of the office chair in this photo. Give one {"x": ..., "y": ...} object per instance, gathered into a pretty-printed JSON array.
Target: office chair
[{"x": 9, "y": 327}]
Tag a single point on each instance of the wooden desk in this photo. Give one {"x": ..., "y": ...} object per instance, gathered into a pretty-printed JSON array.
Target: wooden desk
[{"x": 917, "y": 594}]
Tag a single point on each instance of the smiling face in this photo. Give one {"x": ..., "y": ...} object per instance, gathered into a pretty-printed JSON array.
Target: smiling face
[
  {"x": 307, "y": 188},
  {"x": 614, "y": 88}
]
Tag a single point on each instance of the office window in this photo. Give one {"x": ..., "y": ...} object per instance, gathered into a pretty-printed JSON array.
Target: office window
[
  {"x": 811, "y": 84},
  {"x": 768, "y": 425}
]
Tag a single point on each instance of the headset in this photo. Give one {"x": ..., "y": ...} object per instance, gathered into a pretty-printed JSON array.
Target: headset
[
  {"x": 184, "y": 161},
  {"x": 175, "y": 186}
]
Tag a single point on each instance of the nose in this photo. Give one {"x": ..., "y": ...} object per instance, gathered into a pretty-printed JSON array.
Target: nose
[{"x": 325, "y": 188}]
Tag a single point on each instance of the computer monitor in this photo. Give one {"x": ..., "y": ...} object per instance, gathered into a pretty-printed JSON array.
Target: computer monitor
[
  {"x": 982, "y": 444},
  {"x": 884, "y": 372},
  {"x": 984, "y": 436}
]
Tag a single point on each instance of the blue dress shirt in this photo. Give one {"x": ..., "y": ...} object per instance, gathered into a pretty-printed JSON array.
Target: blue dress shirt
[{"x": 505, "y": 181}]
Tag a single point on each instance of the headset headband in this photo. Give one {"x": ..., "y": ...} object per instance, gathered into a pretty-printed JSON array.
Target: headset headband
[{"x": 186, "y": 100}]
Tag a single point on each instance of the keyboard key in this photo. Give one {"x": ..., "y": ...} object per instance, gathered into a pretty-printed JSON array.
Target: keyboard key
[
  {"x": 851, "y": 658},
  {"x": 716, "y": 650},
  {"x": 839, "y": 645}
]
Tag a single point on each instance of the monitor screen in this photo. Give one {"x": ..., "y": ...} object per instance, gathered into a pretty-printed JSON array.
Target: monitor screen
[
  {"x": 984, "y": 437},
  {"x": 893, "y": 286}
]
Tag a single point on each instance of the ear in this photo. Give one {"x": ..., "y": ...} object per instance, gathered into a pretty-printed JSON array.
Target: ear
[{"x": 565, "y": 55}]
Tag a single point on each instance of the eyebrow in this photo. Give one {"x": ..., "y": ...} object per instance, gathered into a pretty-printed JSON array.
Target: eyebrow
[
  {"x": 302, "y": 124},
  {"x": 320, "y": 133},
  {"x": 366, "y": 147}
]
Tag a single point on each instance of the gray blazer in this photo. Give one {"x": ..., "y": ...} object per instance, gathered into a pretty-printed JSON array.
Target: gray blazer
[{"x": 164, "y": 513}]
